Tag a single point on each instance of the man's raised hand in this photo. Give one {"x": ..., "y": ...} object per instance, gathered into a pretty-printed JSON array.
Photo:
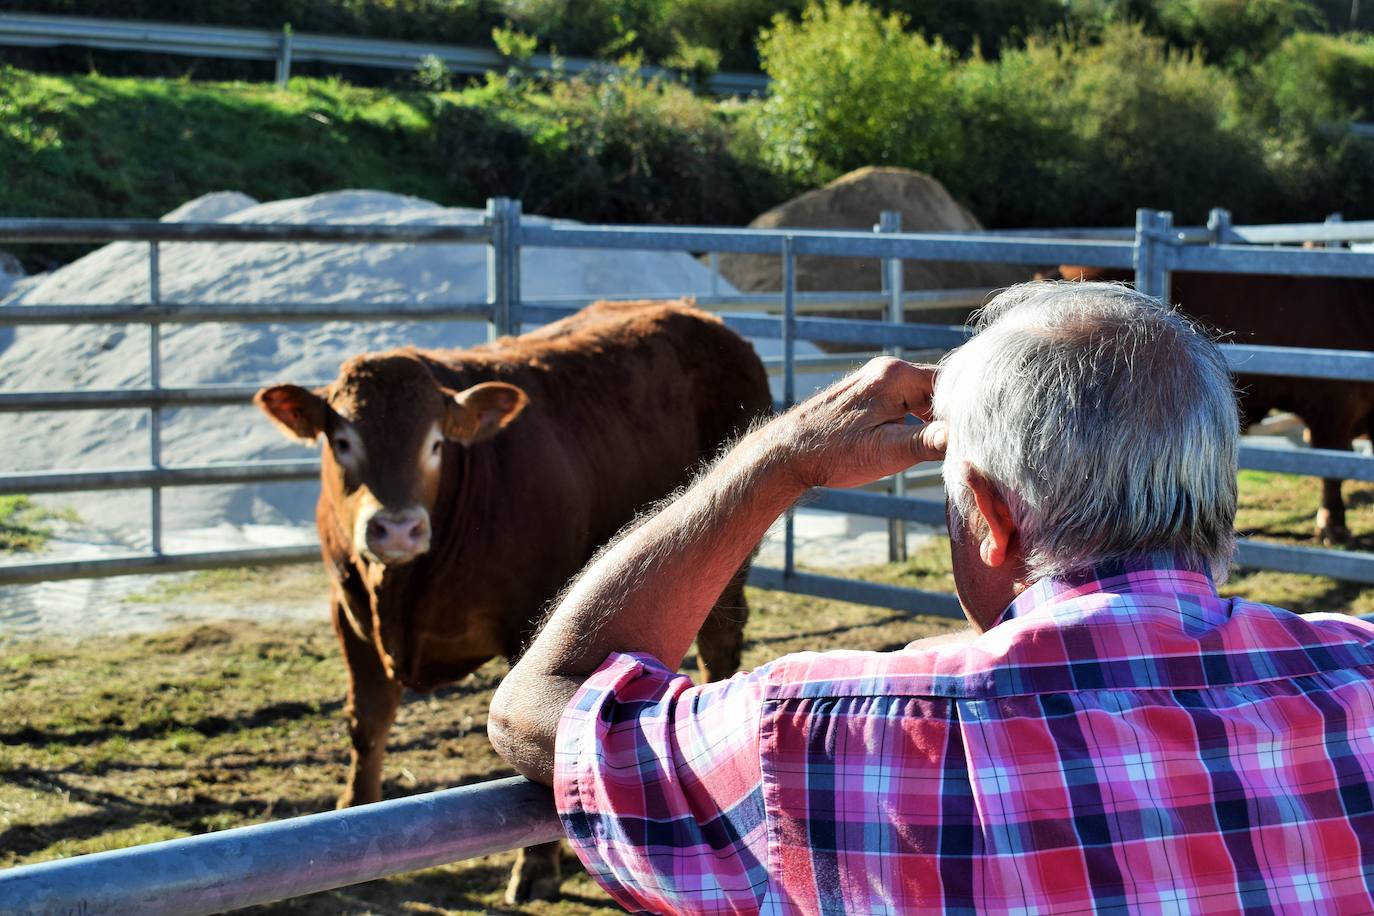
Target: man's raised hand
[{"x": 855, "y": 431}]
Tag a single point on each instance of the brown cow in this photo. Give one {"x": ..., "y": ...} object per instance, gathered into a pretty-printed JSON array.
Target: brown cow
[
  {"x": 1320, "y": 312},
  {"x": 461, "y": 489}
]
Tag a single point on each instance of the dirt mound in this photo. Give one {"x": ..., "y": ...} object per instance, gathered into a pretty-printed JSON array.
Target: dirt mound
[{"x": 854, "y": 201}]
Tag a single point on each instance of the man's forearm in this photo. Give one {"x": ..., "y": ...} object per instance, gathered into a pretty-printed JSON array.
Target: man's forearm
[{"x": 649, "y": 592}]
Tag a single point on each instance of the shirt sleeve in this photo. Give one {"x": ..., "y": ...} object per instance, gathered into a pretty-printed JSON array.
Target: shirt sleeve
[{"x": 659, "y": 786}]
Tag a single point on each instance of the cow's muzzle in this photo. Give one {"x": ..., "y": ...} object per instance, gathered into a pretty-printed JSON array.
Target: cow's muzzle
[{"x": 393, "y": 536}]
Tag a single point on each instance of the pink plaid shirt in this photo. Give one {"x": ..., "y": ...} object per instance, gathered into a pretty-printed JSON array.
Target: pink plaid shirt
[{"x": 1125, "y": 741}]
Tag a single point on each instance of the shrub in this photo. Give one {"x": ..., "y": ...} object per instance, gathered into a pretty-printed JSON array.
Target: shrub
[
  {"x": 852, "y": 88},
  {"x": 1058, "y": 132},
  {"x": 1232, "y": 32}
]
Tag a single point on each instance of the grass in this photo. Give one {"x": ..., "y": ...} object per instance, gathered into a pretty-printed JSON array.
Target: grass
[
  {"x": 634, "y": 150},
  {"x": 25, "y": 526},
  {"x": 111, "y": 743}
]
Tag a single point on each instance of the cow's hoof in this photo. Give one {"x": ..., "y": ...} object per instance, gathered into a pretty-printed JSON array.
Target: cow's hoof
[
  {"x": 1333, "y": 536},
  {"x": 524, "y": 888},
  {"x": 1329, "y": 533}
]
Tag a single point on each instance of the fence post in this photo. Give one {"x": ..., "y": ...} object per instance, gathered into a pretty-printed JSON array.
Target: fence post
[
  {"x": 1219, "y": 225},
  {"x": 154, "y": 412},
  {"x": 1152, "y": 229},
  {"x": 284, "y": 57},
  {"x": 789, "y": 380},
  {"x": 1332, "y": 220},
  {"x": 503, "y": 266},
  {"x": 893, "y": 285}
]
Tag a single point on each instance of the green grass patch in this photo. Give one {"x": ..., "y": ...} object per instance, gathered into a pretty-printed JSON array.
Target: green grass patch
[{"x": 25, "y": 525}]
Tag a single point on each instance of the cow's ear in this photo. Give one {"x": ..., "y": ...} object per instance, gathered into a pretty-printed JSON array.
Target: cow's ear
[
  {"x": 298, "y": 412},
  {"x": 481, "y": 411}
]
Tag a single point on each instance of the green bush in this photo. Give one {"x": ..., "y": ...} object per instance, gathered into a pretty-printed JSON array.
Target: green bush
[
  {"x": 851, "y": 87},
  {"x": 624, "y": 149},
  {"x": 1057, "y": 132},
  {"x": 1232, "y": 32}
]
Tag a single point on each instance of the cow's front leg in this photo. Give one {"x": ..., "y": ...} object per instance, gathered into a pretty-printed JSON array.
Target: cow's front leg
[
  {"x": 721, "y": 638},
  {"x": 372, "y": 701},
  {"x": 535, "y": 876},
  {"x": 1331, "y": 527}
]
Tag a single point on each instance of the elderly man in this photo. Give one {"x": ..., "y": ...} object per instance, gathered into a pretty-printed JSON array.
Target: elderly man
[{"x": 1113, "y": 737}]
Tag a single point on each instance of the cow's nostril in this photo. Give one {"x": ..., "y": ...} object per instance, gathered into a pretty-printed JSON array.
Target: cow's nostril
[
  {"x": 376, "y": 530},
  {"x": 417, "y": 531}
]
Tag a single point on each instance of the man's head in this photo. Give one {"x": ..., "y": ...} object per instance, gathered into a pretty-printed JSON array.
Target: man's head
[{"x": 1086, "y": 422}]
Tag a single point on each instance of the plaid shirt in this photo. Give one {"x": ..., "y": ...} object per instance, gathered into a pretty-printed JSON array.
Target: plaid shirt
[{"x": 1124, "y": 741}]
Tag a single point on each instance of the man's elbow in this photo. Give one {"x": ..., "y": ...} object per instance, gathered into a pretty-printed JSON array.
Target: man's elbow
[{"x": 514, "y": 733}]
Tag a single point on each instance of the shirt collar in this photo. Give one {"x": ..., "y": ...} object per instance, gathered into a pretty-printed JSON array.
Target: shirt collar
[{"x": 1158, "y": 573}]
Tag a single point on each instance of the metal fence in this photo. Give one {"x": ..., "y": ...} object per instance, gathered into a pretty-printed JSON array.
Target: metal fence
[
  {"x": 287, "y": 46},
  {"x": 1152, "y": 249},
  {"x": 277, "y": 860}
]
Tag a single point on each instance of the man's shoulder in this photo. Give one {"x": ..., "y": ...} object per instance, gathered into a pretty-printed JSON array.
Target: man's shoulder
[{"x": 1157, "y": 649}]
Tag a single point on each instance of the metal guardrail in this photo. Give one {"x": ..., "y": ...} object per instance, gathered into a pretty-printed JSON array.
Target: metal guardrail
[
  {"x": 287, "y": 46},
  {"x": 264, "y": 863}
]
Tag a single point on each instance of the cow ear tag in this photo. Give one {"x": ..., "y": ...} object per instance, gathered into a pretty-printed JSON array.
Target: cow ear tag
[
  {"x": 298, "y": 412},
  {"x": 482, "y": 411}
]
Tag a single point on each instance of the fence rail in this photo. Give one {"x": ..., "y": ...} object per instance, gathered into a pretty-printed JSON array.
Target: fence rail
[
  {"x": 287, "y": 46},
  {"x": 1153, "y": 249},
  {"x": 264, "y": 863}
]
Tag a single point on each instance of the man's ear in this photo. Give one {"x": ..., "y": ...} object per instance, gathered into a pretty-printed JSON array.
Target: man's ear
[
  {"x": 999, "y": 536},
  {"x": 481, "y": 411},
  {"x": 298, "y": 412}
]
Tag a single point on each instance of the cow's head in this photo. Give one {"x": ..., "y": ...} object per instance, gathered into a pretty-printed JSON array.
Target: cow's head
[{"x": 388, "y": 427}]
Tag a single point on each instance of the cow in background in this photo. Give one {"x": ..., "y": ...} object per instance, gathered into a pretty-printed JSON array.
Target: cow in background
[
  {"x": 460, "y": 490},
  {"x": 1332, "y": 313}
]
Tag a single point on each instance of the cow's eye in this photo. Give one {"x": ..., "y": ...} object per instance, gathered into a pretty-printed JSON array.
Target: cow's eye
[
  {"x": 434, "y": 449},
  {"x": 341, "y": 445}
]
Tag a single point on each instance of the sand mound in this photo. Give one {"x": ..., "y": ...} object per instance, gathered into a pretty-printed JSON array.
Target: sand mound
[
  {"x": 854, "y": 201},
  {"x": 114, "y": 356}
]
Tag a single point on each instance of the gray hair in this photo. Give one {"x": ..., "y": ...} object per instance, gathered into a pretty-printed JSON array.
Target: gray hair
[{"x": 1106, "y": 420}]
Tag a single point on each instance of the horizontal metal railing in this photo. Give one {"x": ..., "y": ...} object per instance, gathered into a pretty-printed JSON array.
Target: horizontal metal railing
[
  {"x": 799, "y": 321},
  {"x": 286, "y": 47},
  {"x": 264, "y": 863}
]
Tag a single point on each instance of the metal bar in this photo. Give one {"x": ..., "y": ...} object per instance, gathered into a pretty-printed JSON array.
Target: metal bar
[
  {"x": 128, "y": 398},
  {"x": 1299, "y": 262},
  {"x": 154, "y": 412},
  {"x": 265, "y": 312},
  {"x": 1338, "y": 564},
  {"x": 912, "y": 247},
  {"x": 192, "y": 475},
  {"x": 247, "y": 866},
  {"x": 878, "y": 505},
  {"x": 789, "y": 382},
  {"x": 893, "y": 283},
  {"x": 806, "y": 301},
  {"x": 151, "y": 564},
  {"x": 1300, "y": 362},
  {"x": 151, "y": 230},
  {"x": 1310, "y": 462},
  {"x": 910, "y": 600},
  {"x": 34, "y": 30},
  {"x": 284, "y": 57},
  {"x": 1330, "y": 231}
]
